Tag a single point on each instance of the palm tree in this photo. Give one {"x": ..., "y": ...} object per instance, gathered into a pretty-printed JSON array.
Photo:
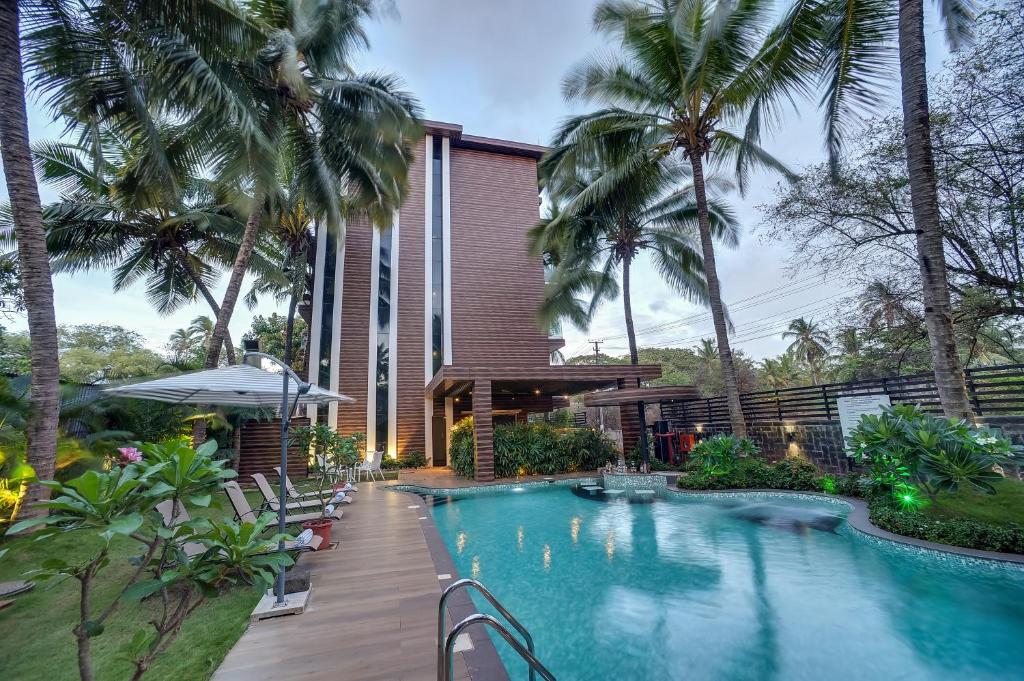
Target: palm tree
[
  {"x": 810, "y": 344},
  {"x": 33, "y": 263},
  {"x": 857, "y": 58},
  {"x": 884, "y": 307},
  {"x": 687, "y": 69},
  {"x": 608, "y": 216},
  {"x": 328, "y": 127},
  {"x": 781, "y": 372},
  {"x": 707, "y": 351},
  {"x": 174, "y": 236}
]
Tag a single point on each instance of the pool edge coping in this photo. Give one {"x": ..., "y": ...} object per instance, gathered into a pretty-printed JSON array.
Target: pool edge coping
[
  {"x": 858, "y": 518},
  {"x": 482, "y": 662}
]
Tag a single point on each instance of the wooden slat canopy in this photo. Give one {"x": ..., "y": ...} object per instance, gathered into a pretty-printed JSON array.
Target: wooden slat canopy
[
  {"x": 548, "y": 380},
  {"x": 611, "y": 398}
]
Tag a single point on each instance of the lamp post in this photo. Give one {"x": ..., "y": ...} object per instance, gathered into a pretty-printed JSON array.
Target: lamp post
[{"x": 302, "y": 389}]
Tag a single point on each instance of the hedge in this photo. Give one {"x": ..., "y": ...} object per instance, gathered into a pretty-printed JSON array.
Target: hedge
[{"x": 532, "y": 449}]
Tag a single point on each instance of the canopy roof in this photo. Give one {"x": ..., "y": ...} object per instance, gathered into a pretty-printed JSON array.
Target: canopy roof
[
  {"x": 545, "y": 380},
  {"x": 658, "y": 393},
  {"x": 240, "y": 385}
]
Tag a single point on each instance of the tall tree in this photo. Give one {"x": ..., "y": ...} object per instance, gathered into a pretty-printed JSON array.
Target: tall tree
[
  {"x": 810, "y": 344},
  {"x": 687, "y": 69},
  {"x": 33, "y": 263},
  {"x": 608, "y": 216},
  {"x": 174, "y": 236},
  {"x": 857, "y": 57},
  {"x": 330, "y": 128}
]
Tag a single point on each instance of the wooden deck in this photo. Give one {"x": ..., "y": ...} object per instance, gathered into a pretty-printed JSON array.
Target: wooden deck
[{"x": 373, "y": 612}]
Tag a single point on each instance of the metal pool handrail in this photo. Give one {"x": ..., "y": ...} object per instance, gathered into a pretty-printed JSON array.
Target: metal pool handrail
[
  {"x": 442, "y": 641},
  {"x": 480, "y": 618}
]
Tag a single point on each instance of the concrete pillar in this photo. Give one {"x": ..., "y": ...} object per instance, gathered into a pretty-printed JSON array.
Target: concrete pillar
[
  {"x": 630, "y": 420},
  {"x": 483, "y": 431}
]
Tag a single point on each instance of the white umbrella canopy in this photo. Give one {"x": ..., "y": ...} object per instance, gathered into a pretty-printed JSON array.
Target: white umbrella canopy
[{"x": 240, "y": 385}]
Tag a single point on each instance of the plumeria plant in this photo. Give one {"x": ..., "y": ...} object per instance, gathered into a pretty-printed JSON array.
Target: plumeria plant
[
  {"x": 908, "y": 450},
  {"x": 120, "y": 504}
]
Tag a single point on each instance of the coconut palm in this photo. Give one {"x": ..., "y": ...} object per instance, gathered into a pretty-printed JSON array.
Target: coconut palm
[
  {"x": 34, "y": 266},
  {"x": 707, "y": 351},
  {"x": 176, "y": 237},
  {"x": 329, "y": 128},
  {"x": 857, "y": 56},
  {"x": 607, "y": 217},
  {"x": 781, "y": 372},
  {"x": 810, "y": 344},
  {"x": 687, "y": 70},
  {"x": 885, "y": 307}
]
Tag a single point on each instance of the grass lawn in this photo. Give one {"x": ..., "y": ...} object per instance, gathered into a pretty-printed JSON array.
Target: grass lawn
[
  {"x": 1007, "y": 505},
  {"x": 36, "y": 642}
]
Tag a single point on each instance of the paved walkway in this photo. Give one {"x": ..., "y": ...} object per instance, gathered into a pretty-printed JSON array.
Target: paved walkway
[{"x": 374, "y": 606}]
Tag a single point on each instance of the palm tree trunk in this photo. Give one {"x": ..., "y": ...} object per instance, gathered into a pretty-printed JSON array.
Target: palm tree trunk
[
  {"x": 949, "y": 374},
  {"x": 204, "y": 290},
  {"x": 227, "y": 307},
  {"x": 732, "y": 390},
  {"x": 634, "y": 359},
  {"x": 33, "y": 261}
]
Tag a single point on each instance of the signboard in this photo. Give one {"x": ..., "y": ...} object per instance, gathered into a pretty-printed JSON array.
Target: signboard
[{"x": 852, "y": 407}]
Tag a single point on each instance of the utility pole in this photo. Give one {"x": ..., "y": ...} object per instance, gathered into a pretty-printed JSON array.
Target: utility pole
[{"x": 597, "y": 350}]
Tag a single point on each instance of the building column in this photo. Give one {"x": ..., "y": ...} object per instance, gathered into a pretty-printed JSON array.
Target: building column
[
  {"x": 629, "y": 419},
  {"x": 483, "y": 431}
]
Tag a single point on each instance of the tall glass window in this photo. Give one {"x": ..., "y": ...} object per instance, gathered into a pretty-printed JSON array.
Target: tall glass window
[
  {"x": 327, "y": 311},
  {"x": 383, "y": 340},
  {"x": 437, "y": 256}
]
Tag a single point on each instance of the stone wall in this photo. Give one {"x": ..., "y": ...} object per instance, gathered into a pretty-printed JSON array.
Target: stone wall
[{"x": 820, "y": 441}]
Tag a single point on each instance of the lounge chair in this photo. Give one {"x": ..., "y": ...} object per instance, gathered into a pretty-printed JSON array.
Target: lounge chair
[
  {"x": 370, "y": 466},
  {"x": 194, "y": 548},
  {"x": 243, "y": 510},
  {"x": 271, "y": 501},
  {"x": 326, "y": 494}
]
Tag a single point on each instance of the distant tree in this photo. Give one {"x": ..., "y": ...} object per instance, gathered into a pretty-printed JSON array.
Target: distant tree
[
  {"x": 188, "y": 346},
  {"x": 707, "y": 350},
  {"x": 95, "y": 353},
  {"x": 780, "y": 372},
  {"x": 810, "y": 344},
  {"x": 15, "y": 353},
  {"x": 271, "y": 332}
]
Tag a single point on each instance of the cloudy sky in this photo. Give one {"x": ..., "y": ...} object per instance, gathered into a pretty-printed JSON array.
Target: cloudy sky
[{"x": 495, "y": 67}]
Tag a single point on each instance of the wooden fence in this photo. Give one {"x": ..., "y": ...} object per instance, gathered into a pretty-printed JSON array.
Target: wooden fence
[{"x": 992, "y": 390}]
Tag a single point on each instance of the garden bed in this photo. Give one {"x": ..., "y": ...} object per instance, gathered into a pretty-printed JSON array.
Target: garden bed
[{"x": 36, "y": 642}]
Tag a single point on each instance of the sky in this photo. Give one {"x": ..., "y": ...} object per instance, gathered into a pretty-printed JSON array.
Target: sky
[{"x": 495, "y": 67}]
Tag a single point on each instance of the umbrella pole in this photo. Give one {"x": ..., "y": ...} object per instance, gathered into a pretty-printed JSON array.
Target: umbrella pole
[{"x": 283, "y": 491}]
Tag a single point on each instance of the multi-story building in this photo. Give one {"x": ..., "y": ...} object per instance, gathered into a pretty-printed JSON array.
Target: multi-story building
[{"x": 434, "y": 318}]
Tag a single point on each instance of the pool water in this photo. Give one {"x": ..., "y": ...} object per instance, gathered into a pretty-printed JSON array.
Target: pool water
[{"x": 745, "y": 587}]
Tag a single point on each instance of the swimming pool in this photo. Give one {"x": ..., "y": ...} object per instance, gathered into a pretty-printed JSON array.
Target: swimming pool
[{"x": 728, "y": 588}]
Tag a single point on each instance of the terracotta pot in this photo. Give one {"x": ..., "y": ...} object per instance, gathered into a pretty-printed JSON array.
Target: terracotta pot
[{"x": 321, "y": 528}]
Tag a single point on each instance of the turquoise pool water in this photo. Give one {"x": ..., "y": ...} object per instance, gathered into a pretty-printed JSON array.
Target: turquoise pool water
[{"x": 728, "y": 589}]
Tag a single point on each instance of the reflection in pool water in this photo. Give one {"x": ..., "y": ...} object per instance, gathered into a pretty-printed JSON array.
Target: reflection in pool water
[{"x": 729, "y": 589}]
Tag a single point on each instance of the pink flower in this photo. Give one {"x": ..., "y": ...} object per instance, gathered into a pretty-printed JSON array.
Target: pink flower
[{"x": 129, "y": 455}]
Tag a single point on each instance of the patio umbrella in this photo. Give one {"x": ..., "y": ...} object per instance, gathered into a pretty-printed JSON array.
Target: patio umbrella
[{"x": 241, "y": 385}]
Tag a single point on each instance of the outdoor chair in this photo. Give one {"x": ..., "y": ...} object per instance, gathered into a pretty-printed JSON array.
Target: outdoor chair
[
  {"x": 333, "y": 472},
  {"x": 244, "y": 511},
  {"x": 370, "y": 466},
  {"x": 272, "y": 503},
  {"x": 193, "y": 548},
  {"x": 326, "y": 494}
]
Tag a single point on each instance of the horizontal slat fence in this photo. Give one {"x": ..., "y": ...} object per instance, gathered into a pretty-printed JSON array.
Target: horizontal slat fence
[{"x": 992, "y": 390}]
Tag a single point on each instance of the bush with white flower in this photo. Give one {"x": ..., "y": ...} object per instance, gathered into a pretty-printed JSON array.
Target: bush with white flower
[{"x": 908, "y": 450}]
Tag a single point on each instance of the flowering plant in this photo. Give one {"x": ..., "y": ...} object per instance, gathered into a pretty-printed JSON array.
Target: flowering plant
[{"x": 128, "y": 455}]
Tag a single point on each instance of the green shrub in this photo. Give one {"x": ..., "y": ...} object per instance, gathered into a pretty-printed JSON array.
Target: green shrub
[
  {"x": 904, "y": 447},
  {"x": 413, "y": 459},
  {"x": 720, "y": 454},
  {"x": 755, "y": 473},
  {"x": 887, "y": 514},
  {"x": 532, "y": 449}
]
